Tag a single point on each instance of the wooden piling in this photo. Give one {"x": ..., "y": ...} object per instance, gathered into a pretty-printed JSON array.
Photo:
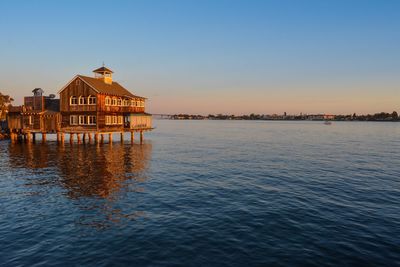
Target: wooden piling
[
  {"x": 96, "y": 138},
  {"x": 90, "y": 137},
  {"x": 78, "y": 136},
  {"x": 110, "y": 137},
  {"x": 71, "y": 138},
  {"x": 101, "y": 138},
  {"x": 141, "y": 137},
  {"x": 132, "y": 137},
  {"x": 62, "y": 138},
  {"x": 122, "y": 137},
  {"x": 33, "y": 137},
  {"x": 84, "y": 138},
  {"x": 43, "y": 137}
]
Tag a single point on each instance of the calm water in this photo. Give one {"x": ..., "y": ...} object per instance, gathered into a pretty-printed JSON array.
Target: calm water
[{"x": 207, "y": 193}]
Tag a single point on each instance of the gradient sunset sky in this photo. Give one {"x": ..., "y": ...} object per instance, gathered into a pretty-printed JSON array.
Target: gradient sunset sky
[{"x": 215, "y": 56}]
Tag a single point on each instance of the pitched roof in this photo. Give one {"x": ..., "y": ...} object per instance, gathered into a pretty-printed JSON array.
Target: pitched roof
[
  {"x": 110, "y": 89},
  {"x": 103, "y": 69}
]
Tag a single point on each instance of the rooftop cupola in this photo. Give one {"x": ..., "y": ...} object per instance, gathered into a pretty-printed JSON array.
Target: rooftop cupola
[{"x": 104, "y": 74}]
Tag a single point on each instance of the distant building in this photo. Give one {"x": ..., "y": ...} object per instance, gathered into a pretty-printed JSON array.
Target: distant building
[{"x": 329, "y": 117}]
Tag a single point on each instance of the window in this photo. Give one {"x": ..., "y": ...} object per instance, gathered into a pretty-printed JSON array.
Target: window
[
  {"x": 126, "y": 103},
  {"x": 82, "y": 100},
  {"x": 108, "y": 101},
  {"x": 73, "y": 100},
  {"x": 108, "y": 120},
  {"x": 73, "y": 120},
  {"x": 119, "y": 102},
  {"x": 133, "y": 103},
  {"x": 114, "y": 101},
  {"x": 92, "y": 120},
  {"x": 114, "y": 119},
  {"x": 91, "y": 100},
  {"x": 120, "y": 119},
  {"x": 82, "y": 120},
  {"x": 142, "y": 103}
]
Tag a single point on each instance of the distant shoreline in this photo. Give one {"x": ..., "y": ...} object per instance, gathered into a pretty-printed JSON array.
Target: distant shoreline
[{"x": 391, "y": 117}]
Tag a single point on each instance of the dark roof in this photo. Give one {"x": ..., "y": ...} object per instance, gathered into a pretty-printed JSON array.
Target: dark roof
[
  {"x": 103, "y": 69},
  {"x": 110, "y": 89}
]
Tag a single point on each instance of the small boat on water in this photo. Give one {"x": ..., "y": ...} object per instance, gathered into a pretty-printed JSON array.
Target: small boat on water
[{"x": 327, "y": 122}]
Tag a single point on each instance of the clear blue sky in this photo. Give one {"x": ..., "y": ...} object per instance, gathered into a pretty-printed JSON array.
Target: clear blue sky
[{"x": 214, "y": 56}]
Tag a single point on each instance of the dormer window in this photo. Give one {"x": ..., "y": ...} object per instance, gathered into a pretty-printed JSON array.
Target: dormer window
[
  {"x": 91, "y": 100},
  {"x": 73, "y": 100},
  {"x": 82, "y": 100},
  {"x": 108, "y": 101}
]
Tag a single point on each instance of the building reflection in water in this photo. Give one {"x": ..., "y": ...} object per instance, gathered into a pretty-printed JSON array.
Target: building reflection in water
[{"x": 95, "y": 176}]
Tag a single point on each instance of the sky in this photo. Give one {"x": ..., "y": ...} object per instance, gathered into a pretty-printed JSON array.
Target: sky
[{"x": 212, "y": 56}]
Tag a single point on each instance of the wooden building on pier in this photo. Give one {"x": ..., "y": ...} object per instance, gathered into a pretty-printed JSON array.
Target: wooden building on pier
[{"x": 87, "y": 105}]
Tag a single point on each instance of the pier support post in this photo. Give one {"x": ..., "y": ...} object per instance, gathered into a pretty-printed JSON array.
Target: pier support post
[
  {"x": 43, "y": 138},
  {"x": 141, "y": 137},
  {"x": 62, "y": 138},
  {"x": 122, "y": 137},
  {"x": 24, "y": 137},
  {"x": 33, "y": 137},
  {"x": 71, "y": 138},
  {"x": 132, "y": 137},
  {"x": 84, "y": 138},
  {"x": 58, "y": 137},
  {"x": 96, "y": 138},
  {"x": 110, "y": 136},
  {"x": 101, "y": 138},
  {"x": 28, "y": 137},
  {"x": 90, "y": 137},
  {"x": 78, "y": 136}
]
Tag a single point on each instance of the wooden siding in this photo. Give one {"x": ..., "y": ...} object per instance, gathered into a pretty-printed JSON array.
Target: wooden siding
[
  {"x": 74, "y": 89},
  {"x": 14, "y": 121},
  {"x": 39, "y": 122},
  {"x": 35, "y": 102},
  {"x": 101, "y": 106},
  {"x": 141, "y": 122}
]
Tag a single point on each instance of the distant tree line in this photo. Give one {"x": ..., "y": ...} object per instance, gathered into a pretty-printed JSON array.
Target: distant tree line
[{"x": 382, "y": 116}]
